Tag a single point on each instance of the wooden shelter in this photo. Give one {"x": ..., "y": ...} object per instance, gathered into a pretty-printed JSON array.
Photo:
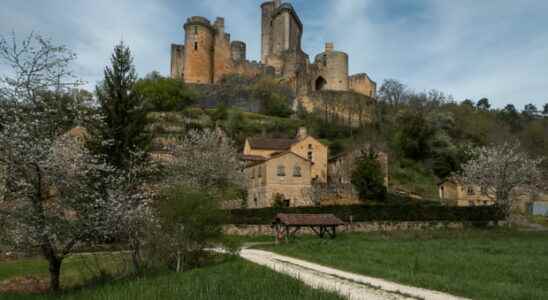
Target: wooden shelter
[{"x": 287, "y": 225}]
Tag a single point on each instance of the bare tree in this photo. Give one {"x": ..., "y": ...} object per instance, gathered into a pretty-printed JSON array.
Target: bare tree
[
  {"x": 501, "y": 171},
  {"x": 392, "y": 92}
]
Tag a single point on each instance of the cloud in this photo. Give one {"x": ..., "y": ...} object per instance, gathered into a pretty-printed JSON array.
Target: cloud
[{"x": 471, "y": 49}]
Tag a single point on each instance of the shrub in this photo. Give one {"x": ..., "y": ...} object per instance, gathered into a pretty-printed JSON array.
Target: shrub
[
  {"x": 363, "y": 213},
  {"x": 368, "y": 177}
]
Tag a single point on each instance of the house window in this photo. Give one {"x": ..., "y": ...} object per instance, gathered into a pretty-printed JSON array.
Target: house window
[
  {"x": 470, "y": 190},
  {"x": 297, "y": 171},
  {"x": 484, "y": 190},
  {"x": 281, "y": 170},
  {"x": 195, "y": 46},
  {"x": 259, "y": 172},
  {"x": 309, "y": 155}
]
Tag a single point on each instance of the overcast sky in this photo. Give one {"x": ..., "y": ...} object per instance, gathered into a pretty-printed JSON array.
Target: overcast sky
[{"x": 467, "y": 48}]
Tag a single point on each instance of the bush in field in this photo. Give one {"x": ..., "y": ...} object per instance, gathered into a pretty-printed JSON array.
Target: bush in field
[{"x": 190, "y": 221}]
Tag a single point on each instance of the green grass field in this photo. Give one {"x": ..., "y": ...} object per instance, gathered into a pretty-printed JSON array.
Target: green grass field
[
  {"x": 476, "y": 264},
  {"x": 230, "y": 279}
]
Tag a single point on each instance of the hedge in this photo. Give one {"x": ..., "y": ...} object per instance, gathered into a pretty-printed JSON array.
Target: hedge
[{"x": 364, "y": 213}]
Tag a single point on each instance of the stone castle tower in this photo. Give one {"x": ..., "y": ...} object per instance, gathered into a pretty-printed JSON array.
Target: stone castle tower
[{"x": 208, "y": 55}]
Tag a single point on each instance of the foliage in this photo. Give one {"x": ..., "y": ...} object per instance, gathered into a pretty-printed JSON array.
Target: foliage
[
  {"x": 368, "y": 178},
  {"x": 274, "y": 97},
  {"x": 191, "y": 221},
  {"x": 278, "y": 201},
  {"x": 413, "y": 137},
  {"x": 122, "y": 132},
  {"x": 501, "y": 170},
  {"x": 164, "y": 94},
  {"x": 363, "y": 213}
]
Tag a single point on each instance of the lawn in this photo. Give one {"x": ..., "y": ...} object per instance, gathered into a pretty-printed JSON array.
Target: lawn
[
  {"x": 232, "y": 278},
  {"x": 478, "y": 264}
]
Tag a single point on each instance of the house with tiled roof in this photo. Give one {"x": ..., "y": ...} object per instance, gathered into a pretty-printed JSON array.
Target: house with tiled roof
[{"x": 284, "y": 169}]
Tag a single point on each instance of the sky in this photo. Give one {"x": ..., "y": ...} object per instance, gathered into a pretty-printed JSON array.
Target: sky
[{"x": 470, "y": 49}]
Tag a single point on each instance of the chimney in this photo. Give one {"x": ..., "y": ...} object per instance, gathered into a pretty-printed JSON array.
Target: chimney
[
  {"x": 329, "y": 47},
  {"x": 302, "y": 133}
]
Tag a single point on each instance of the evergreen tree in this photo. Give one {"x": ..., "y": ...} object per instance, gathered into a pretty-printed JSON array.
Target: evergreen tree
[
  {"x": 368, "y": 178},
  {"x": 123, "y": 112}
]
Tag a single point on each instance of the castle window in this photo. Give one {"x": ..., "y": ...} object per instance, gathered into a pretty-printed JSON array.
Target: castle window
[
  {"x": 309, "y": 155},
  {"x": 195, "y": 29},
  {"x": 297, "y": 171},
  {"x": 310, "y": 146},
  {"x": 259, "y": 172},
  {"x": 281, "y": 170},
  {"x": 195, "y": 46},
  {"x": 470, "y": 190}
]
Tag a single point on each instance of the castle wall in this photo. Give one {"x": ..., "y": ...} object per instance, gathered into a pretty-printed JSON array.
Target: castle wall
[
  {"x": 238, "y": 50},
  {"x": 177, "y": 61},
  {"x": 222, "y": 52},
  {"x": 199, "y": 44},
  {"x": 361, "y": 83}
]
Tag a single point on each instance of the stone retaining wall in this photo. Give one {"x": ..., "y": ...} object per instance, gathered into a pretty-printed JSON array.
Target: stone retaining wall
[{"x": 254, "y": 230}]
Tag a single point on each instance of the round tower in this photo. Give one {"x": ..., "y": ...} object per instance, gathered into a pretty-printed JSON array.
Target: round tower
[
  {"x": 333, "y": 70},
  {"x": 238, "y": 49},
  {"x": 199, "y": 42}
]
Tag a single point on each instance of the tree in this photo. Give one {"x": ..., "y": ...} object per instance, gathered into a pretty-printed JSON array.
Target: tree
[
  {"x": 190, "y": 220},
  {"x": 414, "y": 134},
  {"x": 530, "y": 110},
  {"x": 501, "y": 170},
  {"x": 123, "y": 112},
  {"x": 164, "y": 94},
  {"x": 483, "y": 104},
  {"x": 368, "y": 177},
  {"x": 59, "y": 195},
  {"x": 392, "y": 92},
  {"x": 205, "y": 160},
  {"x": 468, "y": 103},
  {"x": 545, "y": 110}
]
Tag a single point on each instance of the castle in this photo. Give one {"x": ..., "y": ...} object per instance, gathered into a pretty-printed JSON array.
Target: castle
[{"x": 208, "y": 54}]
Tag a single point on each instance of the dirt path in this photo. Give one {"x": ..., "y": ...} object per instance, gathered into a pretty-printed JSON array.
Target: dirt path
[{"x": 349, "y": 285}]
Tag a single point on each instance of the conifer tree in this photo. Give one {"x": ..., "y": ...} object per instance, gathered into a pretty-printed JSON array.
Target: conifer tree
[{"x": 122, "y": 132}]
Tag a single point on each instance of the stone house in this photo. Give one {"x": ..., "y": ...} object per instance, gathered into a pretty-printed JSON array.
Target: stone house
[
  {"x": 456, "y": 194},
  {"x": 288, "y": 167}
]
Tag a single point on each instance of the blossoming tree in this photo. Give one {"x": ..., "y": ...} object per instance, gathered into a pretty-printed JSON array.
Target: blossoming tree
[{"x": 501, "y": 171}]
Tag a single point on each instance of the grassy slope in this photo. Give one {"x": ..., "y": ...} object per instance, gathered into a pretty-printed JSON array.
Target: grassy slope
[
  {"x": 476, "y": 264},
  {"x": 232, "y": 279}
]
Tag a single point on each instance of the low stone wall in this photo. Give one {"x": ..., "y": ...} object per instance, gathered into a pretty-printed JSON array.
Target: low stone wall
[{"x": 255, "y": 230}]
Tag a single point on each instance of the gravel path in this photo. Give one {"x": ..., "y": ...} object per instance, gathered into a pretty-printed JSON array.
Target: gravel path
[{"x": 349, "y": 285}]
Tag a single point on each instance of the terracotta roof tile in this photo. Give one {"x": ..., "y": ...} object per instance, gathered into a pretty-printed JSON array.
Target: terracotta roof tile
[{"x": 271, "y": 144}]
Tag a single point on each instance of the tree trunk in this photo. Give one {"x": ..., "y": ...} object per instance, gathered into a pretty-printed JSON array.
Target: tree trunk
[{"x": 54, "y": 273}]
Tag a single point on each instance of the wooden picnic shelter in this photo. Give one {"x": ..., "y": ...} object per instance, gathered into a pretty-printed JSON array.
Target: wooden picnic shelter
[{"x": 287, "y": 225}]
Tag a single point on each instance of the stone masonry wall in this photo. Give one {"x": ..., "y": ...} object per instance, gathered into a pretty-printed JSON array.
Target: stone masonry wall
[{"x": 360, "y": 83}]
